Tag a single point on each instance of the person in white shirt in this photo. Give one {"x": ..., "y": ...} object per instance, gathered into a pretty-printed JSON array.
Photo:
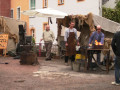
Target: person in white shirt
[
  {"x": 70, "y": 39},
  {"x": 48, "y": 37}
]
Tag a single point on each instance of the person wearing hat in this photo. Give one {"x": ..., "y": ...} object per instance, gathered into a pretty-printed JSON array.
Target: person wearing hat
[
  {"x": 70, "y": 39},
  {"x": 99, "y": 37}
]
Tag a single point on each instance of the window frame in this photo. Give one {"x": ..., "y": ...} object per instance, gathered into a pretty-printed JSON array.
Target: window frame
[
  {"x": 80, "y": 0},
  {"x": 60, "y": 2},
  {"x": 34, "y": 6},
  {"x": 18, "y": 16},
  {"x": 45, "y": 2},
  {"x": 12, "y": 14},
  {"x": 31, "y": 32}
]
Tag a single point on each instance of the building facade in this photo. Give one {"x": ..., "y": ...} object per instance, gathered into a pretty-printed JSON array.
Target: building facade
[
  {"x": 17, "y": 6},
  {"x": 68, "y": 6},
  {"x": 5, "y": 8}
]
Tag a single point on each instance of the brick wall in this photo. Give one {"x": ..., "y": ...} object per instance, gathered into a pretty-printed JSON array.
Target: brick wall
[{"x": 5, "y": 8}]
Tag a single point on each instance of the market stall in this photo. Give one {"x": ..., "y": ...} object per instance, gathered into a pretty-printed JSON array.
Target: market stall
[
  {"x": 86, "y": 24},
  {"x": 10, "y": 26}
]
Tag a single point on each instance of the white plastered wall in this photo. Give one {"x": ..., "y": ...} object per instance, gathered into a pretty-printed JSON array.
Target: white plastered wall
[{"x": 69, "y": 7}]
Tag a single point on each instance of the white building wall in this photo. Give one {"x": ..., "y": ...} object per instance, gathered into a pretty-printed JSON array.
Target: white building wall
[
  {"x": 74, "y": 7},
  {"x": 69, "y": 7},
  {"x": 110, "y": 4}
]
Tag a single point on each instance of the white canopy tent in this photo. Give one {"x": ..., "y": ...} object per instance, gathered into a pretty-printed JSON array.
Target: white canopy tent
[{"x": 46, "y": 12}]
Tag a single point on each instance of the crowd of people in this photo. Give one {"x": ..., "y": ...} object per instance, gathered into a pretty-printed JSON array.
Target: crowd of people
[{"x": 71, "y": 40}]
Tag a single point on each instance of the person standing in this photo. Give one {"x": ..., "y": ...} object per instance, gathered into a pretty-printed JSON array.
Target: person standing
[
  {"x": 99, "y": 37},
  {"x": 70, "y": 39},
  {"x": 116, "y": 49},
  {"x": 48, "y": 37}
]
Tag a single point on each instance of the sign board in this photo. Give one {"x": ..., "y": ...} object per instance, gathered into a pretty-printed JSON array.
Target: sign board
[{"x": 3, "y": 41}]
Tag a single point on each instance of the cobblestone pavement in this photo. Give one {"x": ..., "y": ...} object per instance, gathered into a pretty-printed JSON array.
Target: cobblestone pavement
[{"x": 51, "y": 75}]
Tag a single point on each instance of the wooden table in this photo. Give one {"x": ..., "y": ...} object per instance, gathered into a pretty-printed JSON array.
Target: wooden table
[{"x": 108, "y": 56}]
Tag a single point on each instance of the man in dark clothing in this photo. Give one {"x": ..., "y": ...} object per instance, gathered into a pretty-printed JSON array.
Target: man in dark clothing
[{"x": 116, "y": 49}]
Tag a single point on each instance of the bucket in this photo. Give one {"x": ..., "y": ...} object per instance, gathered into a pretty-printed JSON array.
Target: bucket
[
  {"x": 79, "y": 57},
  {"x": 76, "y": 66}
]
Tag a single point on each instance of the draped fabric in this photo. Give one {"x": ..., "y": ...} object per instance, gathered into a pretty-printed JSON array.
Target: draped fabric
[{"x": 10, "y": 26}]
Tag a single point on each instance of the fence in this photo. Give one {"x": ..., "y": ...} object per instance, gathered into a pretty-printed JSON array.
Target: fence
[{"x": 41, "y": 48}]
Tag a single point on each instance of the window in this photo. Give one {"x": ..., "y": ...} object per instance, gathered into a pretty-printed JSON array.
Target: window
[
  {"x": 18, "y": 13},
  {"x": 80, "y": 0},
  {"x": 60, "y": 2},
  {"x": 45, "y": 3},
  {"x": 11, "y": 13},
  {"x": 32, "y": 32},
  {"x": 44, "y": 25},
  {"x": 32, "y": 4}
]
